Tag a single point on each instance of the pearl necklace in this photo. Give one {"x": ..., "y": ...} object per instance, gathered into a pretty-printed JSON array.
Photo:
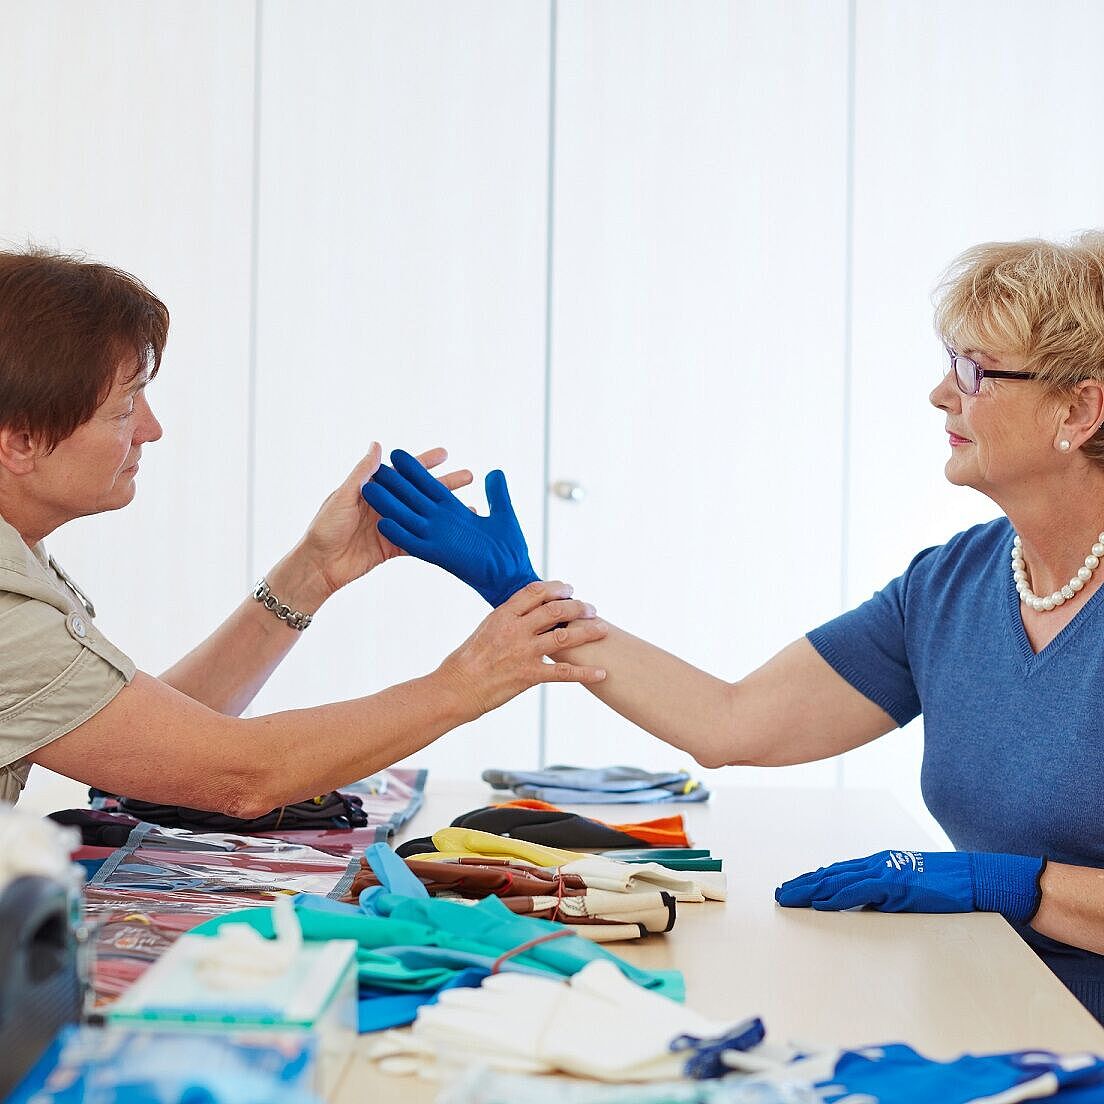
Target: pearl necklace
[{"x": 1051, "y": 601}]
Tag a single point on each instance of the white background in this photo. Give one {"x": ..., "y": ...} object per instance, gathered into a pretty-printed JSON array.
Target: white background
[{"x": 680, "y": 252}]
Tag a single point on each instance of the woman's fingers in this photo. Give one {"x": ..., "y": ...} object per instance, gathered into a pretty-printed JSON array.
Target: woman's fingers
[
  {"x": 505, "y": 654},
  {"x": 432, "y": 457},
  {"x": 584, "y": 631},
  {"x": 457, "y": 479},
  {"x": 572, "y": 672},
  {"x": 559, "y": 611},
  {"x": 366, "y": 467},
  {"x": 536, "y": 594}
]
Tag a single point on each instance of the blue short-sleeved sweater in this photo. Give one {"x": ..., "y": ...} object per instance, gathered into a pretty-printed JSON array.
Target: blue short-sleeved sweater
[{"x": 1012, "y": 740}]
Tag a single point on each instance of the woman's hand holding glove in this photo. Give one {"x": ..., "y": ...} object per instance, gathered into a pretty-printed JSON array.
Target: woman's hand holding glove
[
  {"x": 423, "y": 517},
  {"x": 922, "y": 881},
  {"x": 344, "y": 541}
]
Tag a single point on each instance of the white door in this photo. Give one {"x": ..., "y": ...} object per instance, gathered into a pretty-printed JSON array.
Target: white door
[
  {"x": 698, "y": 337},
  {"x": 401, "y": 293}
]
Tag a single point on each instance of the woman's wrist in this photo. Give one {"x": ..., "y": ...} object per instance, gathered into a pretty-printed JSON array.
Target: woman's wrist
[
  {"x": 299, "y": 582},
  {"x": 459, "y": 696}
]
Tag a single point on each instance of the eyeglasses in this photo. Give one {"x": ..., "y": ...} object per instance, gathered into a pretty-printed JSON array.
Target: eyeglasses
[{"x": 969, "y": 374}]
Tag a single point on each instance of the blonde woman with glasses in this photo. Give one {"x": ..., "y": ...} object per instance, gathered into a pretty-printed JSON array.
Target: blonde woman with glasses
[{"x": 996, "y": 637}]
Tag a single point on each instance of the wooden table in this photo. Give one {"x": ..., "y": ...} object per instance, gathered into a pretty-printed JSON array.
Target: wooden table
[{"x": 945, "y": 984}]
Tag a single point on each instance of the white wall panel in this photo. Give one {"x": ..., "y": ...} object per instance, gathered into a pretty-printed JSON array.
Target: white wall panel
[
  {"x": 127, "y": 135},
  {"x": 974, "y": 122},
  {"x": 401, "y": 297},
  {"x": 699, "y": 259}
]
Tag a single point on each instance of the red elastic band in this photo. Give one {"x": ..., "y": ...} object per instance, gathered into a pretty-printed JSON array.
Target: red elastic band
[
  {"x": 559, "y": 897},
  {"x": 506, "y": 956}
]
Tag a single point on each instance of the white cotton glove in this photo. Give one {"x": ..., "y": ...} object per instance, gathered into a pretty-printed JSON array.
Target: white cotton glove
[
  {"x": 599, "y": 1024},
  {"x": 621, "y": 877}
]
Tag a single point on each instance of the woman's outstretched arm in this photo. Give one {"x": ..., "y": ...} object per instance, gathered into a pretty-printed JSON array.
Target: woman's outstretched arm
[{"x": 793, "y": 709}]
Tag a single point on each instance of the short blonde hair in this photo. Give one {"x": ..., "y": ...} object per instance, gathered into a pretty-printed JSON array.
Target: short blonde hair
[{"x": 1040, "y": 300}]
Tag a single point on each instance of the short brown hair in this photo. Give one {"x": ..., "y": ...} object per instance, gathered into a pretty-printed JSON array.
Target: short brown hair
[
  {"x": 65, "y": 325},
  {"x": 1040, "y": 300}
]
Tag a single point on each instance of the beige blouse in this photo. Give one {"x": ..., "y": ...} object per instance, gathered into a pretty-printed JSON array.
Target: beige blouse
[{"x": 56, "y": 668}]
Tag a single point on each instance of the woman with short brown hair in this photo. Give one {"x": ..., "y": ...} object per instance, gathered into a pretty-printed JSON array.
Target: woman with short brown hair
[{"x": 79, "y": 345}]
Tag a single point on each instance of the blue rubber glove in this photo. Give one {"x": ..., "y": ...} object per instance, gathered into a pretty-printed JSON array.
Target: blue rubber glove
[
  {"x": 922, "y": 881},
  {"x": 423, "y": 517},
  {"x": 897, "y": 1074}
]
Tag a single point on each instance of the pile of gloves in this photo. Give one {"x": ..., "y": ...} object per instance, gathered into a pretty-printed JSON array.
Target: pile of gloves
[
  {"x": 597, "y": 1024},
  {"x": 600, "y": 1025},
  {"x": 414, "y": 948},
  {"x": 542, "y": 822},
  {"x": 518, "y": 852},
  {"x": 616, "y": 785},
  {"x": 330, "y": 810},
  {"x": 533, "y": 891}
]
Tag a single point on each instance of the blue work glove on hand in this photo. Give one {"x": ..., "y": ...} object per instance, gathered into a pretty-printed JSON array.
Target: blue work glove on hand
[
  {"x": 423, "y": 517},
  {"x": 922, "y": 881}
]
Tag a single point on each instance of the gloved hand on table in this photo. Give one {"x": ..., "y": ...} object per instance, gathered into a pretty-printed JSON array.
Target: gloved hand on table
[
  {"x": 922, "y": 881},
  {"x": 424, "y": 518}
]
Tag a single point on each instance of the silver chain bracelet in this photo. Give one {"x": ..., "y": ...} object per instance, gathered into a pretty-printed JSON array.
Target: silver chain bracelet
[{"x": 294, "y": 619}]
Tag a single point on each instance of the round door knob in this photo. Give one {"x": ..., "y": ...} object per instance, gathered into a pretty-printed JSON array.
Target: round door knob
[{"x": 569, "y": 490}]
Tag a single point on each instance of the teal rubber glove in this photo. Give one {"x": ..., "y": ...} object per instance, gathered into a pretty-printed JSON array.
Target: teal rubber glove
[
  {"x": 424, "y": 518},
  {"x": 922, "y": 881}
]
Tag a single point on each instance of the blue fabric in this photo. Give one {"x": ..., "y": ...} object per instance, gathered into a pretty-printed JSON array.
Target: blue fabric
[
  {"x": 421, "y": 957},
  {"x": 423, "y": 517},
  {"x": 91, "y": 867},
  {"x": 921, "y": 881},
  {"x": 382, "y": 1008},
  {"x": 706, "y": 1059},
  {"x": 556, "y": 796},
  {"x": 379, "y": 1008},
  {"x": 616, "y": 779},
  {"x": 394, "y": 877},
  {"x": 1012, "y": 741},
  {"x": 897, "y": 1074}
]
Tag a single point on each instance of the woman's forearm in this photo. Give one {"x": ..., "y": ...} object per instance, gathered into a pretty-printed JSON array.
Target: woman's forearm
[
  {"x": 152, "y": 742},
  {"x": 664, "y": 695},
  {"x": 156, "y": 744},
  {"x": 1072, "y": 906},
  {"x": 793, "y": 709},
  {"x": 226, "y": 671}
]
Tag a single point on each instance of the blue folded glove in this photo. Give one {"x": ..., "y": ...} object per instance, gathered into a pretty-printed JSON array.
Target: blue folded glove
[
  {"x": 897, "y": 1074},
  {"x": 423, "y": 517},
  {"x": 922, "y": 881}
]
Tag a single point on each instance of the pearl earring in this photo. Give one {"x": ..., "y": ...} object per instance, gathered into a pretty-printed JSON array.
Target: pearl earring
[{"x": 1064, "y": 446}]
